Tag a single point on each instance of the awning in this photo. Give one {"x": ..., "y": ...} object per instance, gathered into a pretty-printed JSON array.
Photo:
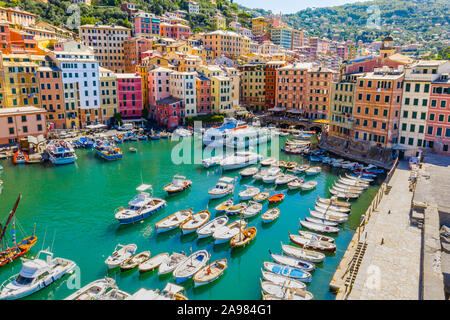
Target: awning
[
  {"x": 295, "y": 111},
  {"x": 277, "y": 109},
  {"x": 96, "y": 126},
  {"x": 399, "y": 147},
  {"x": 322, "y": 121}
]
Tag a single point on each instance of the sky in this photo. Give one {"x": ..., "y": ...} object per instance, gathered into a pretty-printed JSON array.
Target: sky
[{"x": 291, "y": 6}]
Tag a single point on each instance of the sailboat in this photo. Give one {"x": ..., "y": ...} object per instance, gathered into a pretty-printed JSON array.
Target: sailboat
[{"x": 7, "y": 254}]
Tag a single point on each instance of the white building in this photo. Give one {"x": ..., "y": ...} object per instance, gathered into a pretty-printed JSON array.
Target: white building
[
  {"x": 193, "y": 7},
  {"x": 182, "y": 86}
]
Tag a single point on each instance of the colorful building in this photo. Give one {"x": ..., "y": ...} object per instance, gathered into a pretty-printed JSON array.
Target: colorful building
[
  {"x": 253, "y": 83},
  {"x": 227, "y": 43},
  {"x": 175, "y": 31},
  {"x": 109, "y": 102},
  {"x": 146, "y": 25},
  {"x": 219, "y": 22},
  {"x": 182, "y": 85},
  {"x": 158, "y": 87},
  {"x": 203, "y": 87},
  {"x": 270, "y": 72},
  {"x": 129, "y": 92},
  {"x": 17, "y": 16},
  {"x": 133, "y": 52},
  {"x": 20, "y": 122},
  {"x": 282, "y": 36},
  {"x": 170, "y": 112}
]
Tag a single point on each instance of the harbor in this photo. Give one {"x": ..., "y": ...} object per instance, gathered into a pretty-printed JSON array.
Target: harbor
[{"x": 73, "y": 207}]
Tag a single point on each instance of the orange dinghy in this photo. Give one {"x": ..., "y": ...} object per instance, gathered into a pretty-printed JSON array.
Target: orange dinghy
[
  {"x": 243, "y": 237},
  {"x": 276, "y": 198},
  {"x": 20, "y": 157}
]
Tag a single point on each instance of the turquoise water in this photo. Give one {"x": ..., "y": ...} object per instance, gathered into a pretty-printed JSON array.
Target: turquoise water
[{"x": 73, "y": 208}]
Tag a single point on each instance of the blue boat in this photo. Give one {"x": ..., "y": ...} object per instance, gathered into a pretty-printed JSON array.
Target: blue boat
[
  {"x": 107, "y": 151},
  {"x": 286, "y": 271},
  {"x": 61, "y": 152},
  {"x": 315, "y": 158}
]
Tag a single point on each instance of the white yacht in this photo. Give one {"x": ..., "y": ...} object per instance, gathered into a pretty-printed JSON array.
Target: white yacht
[
  {"x": 215, "y": 137},
  {"x": 181, "y": 132},
  {"x": 142, "y": 206},
  {"x": 247, "y": 136},
  {"x": 224, "y": 186},
  {"x": 212, "y": 162},
  {"x": 240, "y": 160},
  {"x": 61, "y": 152},
  {"x": 35, "y": 275}
]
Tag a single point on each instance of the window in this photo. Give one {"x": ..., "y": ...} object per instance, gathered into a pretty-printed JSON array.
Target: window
[
  {"x": 412, "y": 128},
  {"x": 433, "y": 103},
  {"x": 10, "y": 120},
  {"x": 421, "y": 128},
  {"x": 431, "y": 116},
  {"x": 426, "y": 88},
  {"x": 408, "y": 87},
  {"x": 417, "y": 87},
  {"x": 406, "y": 101},
  {"x": 410, "y": 141},
  {"x": 402, "y": 140},
  {"x": 414, "y": 115},
  {"x": 403, "y": 126},
  {"x": 24, "y": 118},
  {"x": 11, "y": 130},
  {"x": 423, "y": 115},
  {"x": 405, "y": 114},
  {"x": 25, "y": 129},
  {"x": 439, "y": 131},
  {"x": 430, "y": 130}
]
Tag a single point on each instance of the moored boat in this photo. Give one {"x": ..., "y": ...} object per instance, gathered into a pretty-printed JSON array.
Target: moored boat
[
  {"x": 94, "y": 290},
  {"x": 167, "y": 266},
  {"x": 282, "y": 280},
  {"x": 313, "y": 171},
  {"x": 318, "y": 227},
  {"x": 312, "y": 243},
  {"x": 276, "y": 198},
  {"x": 120, "y": 254},
  {"x": 270, "y": 215},
  {"x": 228, "y": 231},
  {"x": 276, "y": 291},
  {"x": 60, "y": 152},
  {"x": 178, "y": 184},
  {"x": 197, "y": 220},
  {"x": 287, "y": 271},
  {"x": 210, "y": 273},
  {"x": 243, "y": 237},
  {"x": 187, "y": 268},
  {"x": 322, "y": 221},
  {"x": 20, "y": 157},
  {"x": 335, "y": 202},
  {"x": 220, "y": 208},
  {"x": 173, "y": 221},
  {"x": 261, "y": 196},
  {"x": 248, "y": 172},
  {"x": 293, "y": 262},
  {"x": 209, "y": 228},
  {"x": 249, "y": 192},
  {"x": 135, "y": 261},
  {"x": 153, "y": 262},
  {"x": 236, "y": 209},
  {"x": 308, "y": 185},
  {"x": 224, "y": 187},
  {"x": 301, "y": 253},
  {"x": 252, "y": 209}
]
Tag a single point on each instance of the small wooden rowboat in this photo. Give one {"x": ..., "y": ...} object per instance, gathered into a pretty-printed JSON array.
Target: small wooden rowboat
[
  {"x": 261, "y": 197},
  {"x": 301, "y": 253},
  {"x": 270, "y": 215},
  {"x": 279, "y": 291},
  {"x": 252, "y": 210},
  {"x": 335, "y": 202},
  {"x": 332, "y": 207},
  {"x": 243, "y": 237},
  {"x": 227, "y": 232},
  {"x": 248, "y": 172},
  {"x": 322, "y": 221},
  {"x": 210, "y": 273},
  {"x": 236, "y": 209},
  {"x": 153, "y": 262},
  {"x": 312, "y": 243},
  {"x": 286, "y": 271},
  {"x": 309, "y": 185},
  {"x": 179, "y": 183},
  {"x": 312, "y": 235},
  {"x": 293, "y": 262},
  {"x": 223, "y": 206},
  {"x": 208, "y": 228},
  {"x": 318, "y": 227},
  {"x": 173, "y": 221},
  {"x": 276, "y": 198},
  {"x": 135, "y": 260},
  {"x": 282, "y": 280},
  {"x": 121, "y": 253},
  {"x": 171, "y": 263},
  {"x": 197, "y": 220}
]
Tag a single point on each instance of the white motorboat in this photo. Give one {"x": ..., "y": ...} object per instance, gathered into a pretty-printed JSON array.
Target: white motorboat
[
  {"x": 60, "y": 152},
  {"x": 227, "y": 232},
  {"x": 216, "y": 136},
  {"x": 240, "y": 160},
  {"x": 94, "y": 290},
  {"x": 301, "y": 253},
  {"x": 247, "y": 136},
  {"x": 212, "y": 162},
  {"x": 181, "y": 132},
  {"x": 178, "y": 184},
  {"x": 284, "y": 179},
  {"x": 120, "y": 254},
  {"x": 252, "y": 210},
  {"x": 308, "y": 185},
  {"x": 171, "y": 263},
  {"x": 249, "y": 193},
  {"x": 248, "y": 172},
  {"x": 221, "y": 207},
  {"x": 197, "y": 220},
  {"x": 271, "y": 175},
  {"x": 282, "y": 280},
  {"x": 209, "y": 228},
  {"x": 173, "y": 221},
  {"x": 269, "y": 161},
  {"x": 283, "y": 293},
  {"x": 313, "y": 171},
  {"x": 187, "y": 268},
  {"x": 318, "y": 227},
  {"x": 141, "y": 207},
  {"x": 36, "y": 274},
  {"x": 224, "y": 187}
]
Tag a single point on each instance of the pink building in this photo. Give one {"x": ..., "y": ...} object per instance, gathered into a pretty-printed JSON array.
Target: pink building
[
  {"x": 146, "y": 25},
  {"x": 437, "y": 134},
  {"x": 175, "y": 31},
  {"x": 203, "y": 86},
  {"x": 21, "y": 122},
  {"x": 158, "y": 87},
  {"x": 129, "y": 86},
  {"x": 170, "y": 112}
]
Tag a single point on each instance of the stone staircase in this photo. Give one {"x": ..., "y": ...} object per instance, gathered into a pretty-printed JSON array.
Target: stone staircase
[{"x": 354, "y": 264}]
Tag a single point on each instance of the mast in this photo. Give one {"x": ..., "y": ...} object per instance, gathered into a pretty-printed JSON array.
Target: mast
[{"x": 11, "y": 215}]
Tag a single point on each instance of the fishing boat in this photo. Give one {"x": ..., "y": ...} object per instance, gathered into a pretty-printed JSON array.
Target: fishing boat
[
  {"x": 374, "y": 169},
  {"x": 282, "y": 280},
  {"x": 196, "y": 221},
  {"x": 347, "y": 188},
  {"x": 350, "y": 182},
  {"x": 210, "y": 273},
  {"x": 295, "y": 184},
  {"x": 343, "y": 215},
  {"x": 94, "y": 290},
  {"x": 335, "y": 202},
  {"x": 358, "y": 177},
  {"x": 287, "y": 271},
  {"x": 313, "y": 171},
  {"x": 365, "y": 174},
  {"x": 299, "y": 169},
  {"x": 261, "y": 196},
  {"x": 270, "y": 215},
  {"x": 209, "y": 228},
  {"x": 293, "y": 262},
  {"x": 135, "y": 261},
  {"x": 260, "y": 174},
  {"x": 236, "y": 209},
  {"x": 228, "y": 231},
  {"x": 301, "y": 253},
  {"x": 173, "y": 221},
  {"x": 284, "y": 179},
  {"x": 153, "y": 262},
  {"x": 328, "y": 216},
  {"x": 140, "y": 207},
  {"x": 20, "y": 157},
  {"x": 60, "y": 152},
  {"x": 120, "y": 254},
  {"x": 248, "y": 172},
  {"x": 293, "y": 149},
  {"x": 115, "y": 294},
  {"x": 248, "y": 193},
  {"x": 167, "y": 266},
  {"x": 272, "y": 174},
  {"x": 108, "y": 152},
  {"x": 212, "y": 162},
  {"x": 344, "y": 195},
  {"x": 268, "y": 162},
  {"x": 322, "y": 221},
  {"x": 314, "y": 236},
  {"x": 252, "y": 209},
  {"x": 220, "y": 208},
  {"x": 36, "y": 274},
  {"x": 311, "y": 243},
  {"x": 276, "y": 198},
  {"x": 273, "y": 291},
  {"x": 9, "y": 254},
  {"x": 187, "y": 268},
  {"x": 318, "y": 227},
  {"x": 224, "y": 187},
  {"x": 240, "y": 160},
  {"x": 178, "y": 184},
  {"x": 243, "y": 237}
]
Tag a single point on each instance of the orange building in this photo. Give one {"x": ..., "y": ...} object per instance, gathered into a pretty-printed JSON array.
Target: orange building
[
  {"x": 226, "y": 43},
  {"x": 133, "y": 52},
  {"x": 17, "y": 16}
]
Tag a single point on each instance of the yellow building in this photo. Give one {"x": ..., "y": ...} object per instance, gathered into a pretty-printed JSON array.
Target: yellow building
[
  {"x": 20, "y": 81},
  {"x": 220, "y": 22},
  {"x": 109, "y": 102},
  {"x": 221, "y": 89},
  {"x": 253, "y": 86},
  {"x": 260, "y": 26}
]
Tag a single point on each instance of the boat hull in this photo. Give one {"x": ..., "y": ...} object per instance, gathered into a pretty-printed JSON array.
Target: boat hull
[
  {"x": 143, "y": 215},
  {"x": 107, "y": 157}
]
